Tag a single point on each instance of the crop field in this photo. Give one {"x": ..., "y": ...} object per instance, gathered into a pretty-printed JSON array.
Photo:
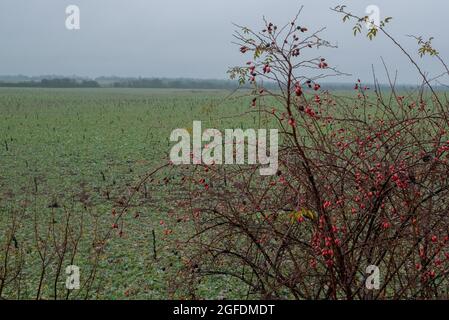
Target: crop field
[
  {"x": 78, "y": 151},
  {"x": 72, "y": 159}
]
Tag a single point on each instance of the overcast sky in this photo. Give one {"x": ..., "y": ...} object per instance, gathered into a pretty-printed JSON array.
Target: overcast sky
[{"x": 192, "y": 38}]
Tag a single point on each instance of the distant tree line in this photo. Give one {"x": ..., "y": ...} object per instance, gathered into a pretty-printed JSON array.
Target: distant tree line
[
  {"x": 188, "y": 83},
  {"x": 175, "y": 83},
  {"x": 158, "y": 83},
  {"x": 53, "y": 83}
]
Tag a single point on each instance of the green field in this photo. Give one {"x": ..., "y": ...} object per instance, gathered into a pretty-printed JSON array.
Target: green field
[
  {"x": 79, "y": 151},
  {"x": 70, "y": 158}
]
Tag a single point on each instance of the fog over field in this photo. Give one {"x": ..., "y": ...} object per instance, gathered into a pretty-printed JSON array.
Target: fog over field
[{"x": 177, "y": 38}]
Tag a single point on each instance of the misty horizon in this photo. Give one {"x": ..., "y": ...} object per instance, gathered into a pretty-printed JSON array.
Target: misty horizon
[
  {"x": 194, "y": 40},
  {"x": 112, "y": 79}
]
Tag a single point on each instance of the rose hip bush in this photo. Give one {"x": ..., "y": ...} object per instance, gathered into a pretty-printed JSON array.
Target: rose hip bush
[{"x": 362, "y": 180}]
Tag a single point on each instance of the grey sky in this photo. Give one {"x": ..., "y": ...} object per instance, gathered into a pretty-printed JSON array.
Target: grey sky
[{"x": 192, "y": 38}]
